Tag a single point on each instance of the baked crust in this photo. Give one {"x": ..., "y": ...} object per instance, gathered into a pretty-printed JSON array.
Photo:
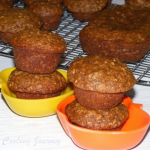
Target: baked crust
[
  {"x": 101, "y": 74},
  {"x": 50, "y": 13},
  {"x": 97, "y": 119},
  {"x": 39, "y": 41},
  {"x": 36, "y": 83},
  {"x": 121, "y": 31},
  {"x": 141, "y": 3},
  {"x": 97, "y": 100}
]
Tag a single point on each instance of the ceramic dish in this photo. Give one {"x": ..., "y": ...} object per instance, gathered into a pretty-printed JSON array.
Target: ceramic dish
[
  {"x": 130, "y": 135},
  {"x": 30, "y": 107}
]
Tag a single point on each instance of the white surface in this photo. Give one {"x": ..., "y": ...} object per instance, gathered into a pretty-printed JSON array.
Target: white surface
[{"x": 20, "y": 133}]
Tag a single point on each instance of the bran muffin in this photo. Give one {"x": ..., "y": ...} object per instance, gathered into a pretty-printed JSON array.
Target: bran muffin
[
  {"x": 50, "y": 13},
  {"x": 37, "y": 51},
  {"x": 4, "y": 5},
  {"x": 110, "y": 119},
  {"x": 97, "y": 73},
  {"x": 84, "y": 10},
  {"x": 13, "y": 20},
  {"x": 141, "y": 3},
  {"x": 35, "y": 86},
  {"x": 121, "y": 31}
]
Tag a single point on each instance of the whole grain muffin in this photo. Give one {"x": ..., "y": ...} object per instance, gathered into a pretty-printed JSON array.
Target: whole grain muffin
[
  {"x": 97, "y": 100},
  {"x": 121, "y": 31},
  {"x": 110, "y": 119},
  {"x": 35, "y": 86},
  {"x": 141, "y": 3},
  {"x": 37, "y": 51},
  {"x": 49, "y": 12},
  {"x": 13, "y": 20},
  {"x": 29, "y": 2},
  {"x": 84, "y": 10},
  {"x": 4, "y": 5},
  {"x": 98, "y": 76}
]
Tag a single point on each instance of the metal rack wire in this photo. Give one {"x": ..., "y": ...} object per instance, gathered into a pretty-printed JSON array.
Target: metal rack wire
[{"x": 69, "y": 29}]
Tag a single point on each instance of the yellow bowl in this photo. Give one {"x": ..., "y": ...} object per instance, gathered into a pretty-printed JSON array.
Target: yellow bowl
[{"x": 30, "y": 107}]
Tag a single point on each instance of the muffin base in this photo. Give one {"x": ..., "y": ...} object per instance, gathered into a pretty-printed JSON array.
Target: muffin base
[
  {"x": 23, "y": 95},
  {"x": 108, "y": 119},
  {"x": 50, "y": 22},
  {"x": 126, "y": 52},
  {"x": 96, "y": 100},
  {"x": 34, "y": 62}
]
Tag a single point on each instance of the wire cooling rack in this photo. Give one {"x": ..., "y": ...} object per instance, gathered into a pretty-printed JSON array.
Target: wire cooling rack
[{"x": 69, "y": 29}]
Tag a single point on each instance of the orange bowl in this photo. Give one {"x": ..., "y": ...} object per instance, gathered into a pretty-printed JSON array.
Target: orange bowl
[{"x": 128, "y": 137}]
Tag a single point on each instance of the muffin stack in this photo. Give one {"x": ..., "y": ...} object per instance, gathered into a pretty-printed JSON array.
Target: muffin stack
[
  {"x": 120, "y": 32},
  {"x": 99, "y": 85},
  {"x": 36, "y": 56}
]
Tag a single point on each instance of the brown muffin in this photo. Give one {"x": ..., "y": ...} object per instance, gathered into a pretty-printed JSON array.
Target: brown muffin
[
  {"x": 37, "y": 51},
  {"x": 121, "y": 31},
  {"x": 97, "y": 100},
  {"x": 50, "y": 13},
  {"x": 35, "y": 86},
  {"x": 13, "y": 20},
  {"x": 84, "y": 10},
  {"x": 4, "y": 5},
  {"x": 109, "y": 119},
  {"x": 141, "y": 3},
  {"x": 29, "y": 2},
  {"x": 100, "y": 75}
]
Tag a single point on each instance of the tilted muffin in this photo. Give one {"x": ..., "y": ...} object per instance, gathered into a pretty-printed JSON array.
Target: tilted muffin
[
  {"x": 121, "y": 31},
  {"x": 4, "y": 5},
  {"x": 141, "y": 3},
  {"x": 84, "y": 10},
  {"x": 13, "y": 20},
  {"x": 29, "y": 2},
  {"x": 36, "y": 86},
  {"x": 100, "y": 82},
  {"x": 37, "y": 51},
  {"x": 110, "y": 119},
  {"x": 50, "y": 13}
]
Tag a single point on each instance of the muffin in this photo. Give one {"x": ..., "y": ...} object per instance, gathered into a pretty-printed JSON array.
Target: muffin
[
  {"x": 13, "y": 20},
  {"x": 141, "y": 3},
  {"x": 50, "y": 13},
  {"x": 37, "y": 51},
  {"x": 4, "y": 5},
  {"x": 110, "y": 119},
  {"x": 36, "y": 86},
  {"x": 100, "y": 82},
  {"x": 29, "y": 2},
  {"x": 84, "y": 10},
  {"x": 121, "y": 31}
]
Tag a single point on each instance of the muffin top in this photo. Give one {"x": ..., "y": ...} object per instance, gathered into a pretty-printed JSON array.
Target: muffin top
[
  {"x": 120, "y": 23},
  {"x": 15, "y": 19},
  {"x": 29, "y": 2},
  {"x": 101, "y": 74},
  {"x": 36, "y": 83},
  {"x": 46, "y": 8},
  {"x": 141, "y": 3},
  {"x": 4, "y": 5},
  {"x": 85, "y": 6},
  {"x": 97, "y": 119},
  {"x": 39, "y": 41}
]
